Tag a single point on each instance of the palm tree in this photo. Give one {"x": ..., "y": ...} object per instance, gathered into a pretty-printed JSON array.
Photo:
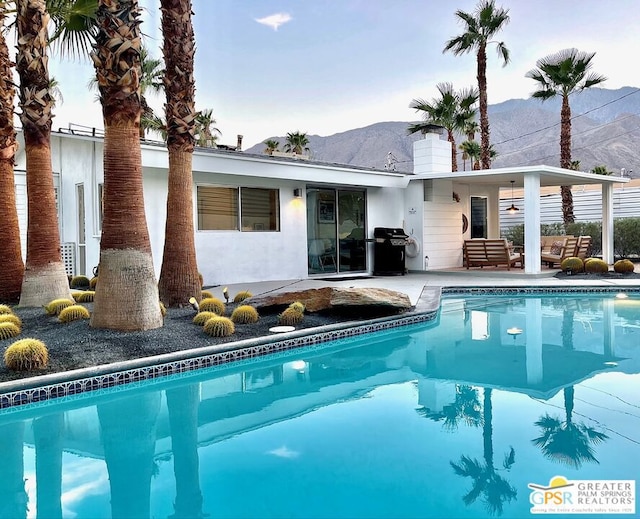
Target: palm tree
[
  {"x": 127, "y": 296},
  {"x": 566, "y": 441},
  {"x": 297, "y": 142},
  {"x": 480, "y": 28},
  {"x": 12, "y": 270},
  {"x": 179, "y": 278},
  {"x": 150, "y": 81},
  {"x": 452, "y": 110},
  {"x": 206, "y": 133},
  {"x": 562, "y": 74},
  {"x": 47, "y": 437},
  {"x": 601, "y": 170},
  {"x": 470, "y": 129},
  {"x": 45, "y": 277},
  {"x": 486, "y": 481},
  {"x": 271, "y": 146},
  {"x": 473, "y": 151}
]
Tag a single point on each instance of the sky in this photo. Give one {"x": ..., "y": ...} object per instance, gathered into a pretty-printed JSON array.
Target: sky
[{"x": 269, "y": 67}]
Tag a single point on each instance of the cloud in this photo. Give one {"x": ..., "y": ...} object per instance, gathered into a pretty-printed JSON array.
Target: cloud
[{"x": 275, "y": 20}]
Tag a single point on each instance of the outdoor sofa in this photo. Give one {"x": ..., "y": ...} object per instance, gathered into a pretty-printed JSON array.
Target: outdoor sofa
[{"x": 480, "y": 252}]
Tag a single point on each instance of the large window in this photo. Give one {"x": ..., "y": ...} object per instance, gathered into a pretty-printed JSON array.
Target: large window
[{"x": 238, "y": 208}]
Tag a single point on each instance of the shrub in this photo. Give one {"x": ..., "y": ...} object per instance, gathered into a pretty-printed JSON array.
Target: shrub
[
  {"x": 55, "y": 306},
  {"x": 73, "y": 313},
  {"x": 290, "y": 317},
  {"x": 5, "y": 309},
  {"x": 80, "y": 282},
  {"x": 8, "y": 330},
  {"x": 297, "y": 305},
  {"x": 163, "y": 310},
  {"x": 93, "y": 282},
  {"x": 595, "y": 265},
  {"x": 11, "y": 318},
  {"x": 219, "y": 326},
  {"x": 574, "y": 264},
  {"x": 212, "y": 304},
  {"x": 206, "y": 294},
  {"x": 84, "y": 297},
  {"x": 624, "y": 266},
  {"x": 241, "y": 296},
  {"x": 26, "y": 354},
  {"x": 245, "y": 314},
  {"x": 203, "y": 317},
  {"x": 515, "y": 234}
]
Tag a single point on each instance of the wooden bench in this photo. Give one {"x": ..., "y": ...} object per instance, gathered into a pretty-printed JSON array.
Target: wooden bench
[{"x": 494, "y": 253}]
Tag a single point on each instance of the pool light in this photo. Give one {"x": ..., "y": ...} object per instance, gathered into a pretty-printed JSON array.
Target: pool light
[
  {"x": 621, "y": 295},
  {"x": 514, "y": 332}
]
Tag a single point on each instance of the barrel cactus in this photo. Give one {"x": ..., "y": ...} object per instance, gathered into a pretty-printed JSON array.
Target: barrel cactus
[
  {"x": 5, "y": 309},
  {"x": 11, "y": 318},
  {"x": 73, "y": 313},
  {"x": 624, "y": 266},
  {"x": 57, "y": 305},
  {"x": 572, "y": 264},
  {"x": 80, "y": 282},
  {"x": 241, "y": 296},
  {"x": 596, "y": 266},
  {"x": 219, "y": 326},
  {"x": 245, "y": 314},
  {"x": 290, "y": 317},
  {"x": 26, "y": 354},
  {"x": 297, "y": 305},
  {"x": 212, "y": 304},
  {"x": 8, "y": 330},
  {"x": 202, "y": 317},
  {"x": 84, "y": 297}
]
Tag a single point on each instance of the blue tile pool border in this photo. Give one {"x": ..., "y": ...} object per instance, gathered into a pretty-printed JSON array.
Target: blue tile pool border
[{"x": 151, "y": 368}]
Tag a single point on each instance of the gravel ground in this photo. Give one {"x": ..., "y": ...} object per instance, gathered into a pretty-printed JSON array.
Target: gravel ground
[{"x": 75, "y": 345}]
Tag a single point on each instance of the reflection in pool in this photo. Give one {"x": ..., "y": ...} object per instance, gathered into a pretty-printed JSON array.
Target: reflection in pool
[{"x": 448, "y": 419}]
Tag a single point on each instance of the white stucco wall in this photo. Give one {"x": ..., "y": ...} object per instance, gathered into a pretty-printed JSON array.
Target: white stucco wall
[{"x": 224, "y": 257}]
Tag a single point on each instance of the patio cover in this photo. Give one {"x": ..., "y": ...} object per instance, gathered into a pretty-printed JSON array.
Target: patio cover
[{"x": 532, "y": 178}]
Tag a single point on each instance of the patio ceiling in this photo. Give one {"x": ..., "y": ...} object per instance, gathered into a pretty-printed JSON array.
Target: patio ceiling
[{"x": 549, "y": 176}]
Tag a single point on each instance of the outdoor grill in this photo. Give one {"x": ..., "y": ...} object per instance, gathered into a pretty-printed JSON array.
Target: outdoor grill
[{"x": 388, "y": 251}]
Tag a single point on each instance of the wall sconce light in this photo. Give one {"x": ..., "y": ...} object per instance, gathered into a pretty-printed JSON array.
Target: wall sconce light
[
  {"x": 297, "y": 192},
  {"x": 513, "y": 209}
]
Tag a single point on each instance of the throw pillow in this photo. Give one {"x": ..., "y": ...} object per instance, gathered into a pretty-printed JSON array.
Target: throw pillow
[{"x": 556, "y": 248}]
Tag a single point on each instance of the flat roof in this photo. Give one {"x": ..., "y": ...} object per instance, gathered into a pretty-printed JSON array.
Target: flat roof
[{"x": 549, "y": 176}]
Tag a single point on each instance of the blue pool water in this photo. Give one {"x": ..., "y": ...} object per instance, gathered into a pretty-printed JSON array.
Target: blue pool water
[{"x": 446, "y": 420}]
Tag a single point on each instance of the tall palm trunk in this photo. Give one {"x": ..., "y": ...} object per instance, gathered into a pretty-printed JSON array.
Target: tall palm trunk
[
  {"x": 13, "y": 496},
  {"x": 485, "y": 156},
  {"x": 565, "y": 159},
  {"x": 12, "y": 270},
  {"x": 179, "y": 280},
  {"x": 454, "y": 151},
  {"x": 45, "y": 277},
  {"x": 127, "y": 295}
]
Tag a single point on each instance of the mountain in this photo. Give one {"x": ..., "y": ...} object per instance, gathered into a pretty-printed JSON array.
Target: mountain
[{"x": 605, "y": 131}]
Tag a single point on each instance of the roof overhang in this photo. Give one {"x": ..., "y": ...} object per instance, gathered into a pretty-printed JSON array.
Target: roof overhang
[{"x": 549, "y": 176}]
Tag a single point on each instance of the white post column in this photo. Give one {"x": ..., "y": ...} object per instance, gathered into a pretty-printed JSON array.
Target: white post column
[
  {"x": 607, "y": 222},
  {"x": 532, "y": 263},
  {"x": 533, "y": 346}
]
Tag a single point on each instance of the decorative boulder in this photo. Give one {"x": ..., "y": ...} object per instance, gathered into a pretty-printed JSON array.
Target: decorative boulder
[{"x": 333, "y": 298}]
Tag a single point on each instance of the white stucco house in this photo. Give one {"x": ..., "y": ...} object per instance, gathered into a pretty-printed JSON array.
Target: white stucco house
[{"x": 260, "y": 217}]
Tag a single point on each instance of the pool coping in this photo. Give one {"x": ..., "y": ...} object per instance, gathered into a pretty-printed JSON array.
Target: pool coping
[{"x": 58, "y": 385}]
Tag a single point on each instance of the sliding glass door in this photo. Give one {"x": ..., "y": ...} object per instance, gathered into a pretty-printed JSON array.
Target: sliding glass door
[{"x": 336, "y": 230}]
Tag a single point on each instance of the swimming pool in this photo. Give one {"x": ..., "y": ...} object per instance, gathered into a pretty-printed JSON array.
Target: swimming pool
[{"x": 454, "y": 418}]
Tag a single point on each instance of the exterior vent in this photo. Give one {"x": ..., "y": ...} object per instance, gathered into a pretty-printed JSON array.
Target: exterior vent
[{"x": 69, "y": 257}]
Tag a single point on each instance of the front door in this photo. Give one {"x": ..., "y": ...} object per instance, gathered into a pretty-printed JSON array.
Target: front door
[{"x": 478, "y": 217}]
